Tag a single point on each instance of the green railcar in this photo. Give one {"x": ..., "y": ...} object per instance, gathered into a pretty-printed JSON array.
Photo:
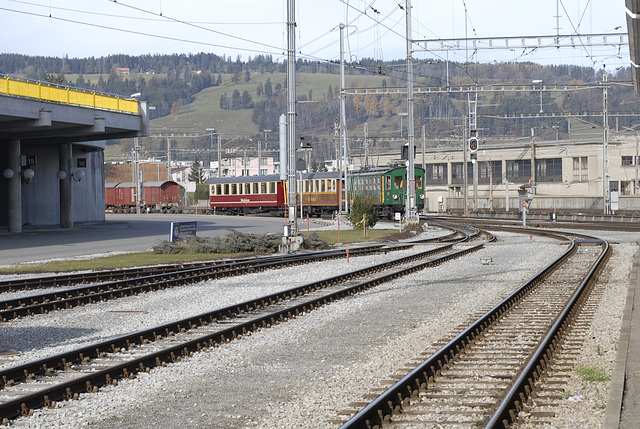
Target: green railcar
[{"x": 388, "y": 187}]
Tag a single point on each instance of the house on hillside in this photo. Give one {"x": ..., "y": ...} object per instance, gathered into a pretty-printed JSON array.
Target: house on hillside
[{"x": 122, "y": 71}]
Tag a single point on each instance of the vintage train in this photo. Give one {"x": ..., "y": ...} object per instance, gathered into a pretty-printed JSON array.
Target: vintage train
[
  {"x": 319, "y": 191},
  {"x": 157, "y": 196}
]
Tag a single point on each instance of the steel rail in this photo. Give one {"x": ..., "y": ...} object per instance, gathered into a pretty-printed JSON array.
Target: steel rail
[
  {"x": 230, "y": 311},
  {"x": 382, "y": 408},
  {"x": 102, "y": 276},
  {"x": 90, "y": 382},
  {"x": 126, "y": 273},
  {"x": 507, "y": 411},
  {"x": 68, "y": 298}
]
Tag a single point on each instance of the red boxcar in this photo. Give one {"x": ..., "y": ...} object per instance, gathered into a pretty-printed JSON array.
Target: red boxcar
[
  {"x": 110, "y": 194},
  {"x": 157, "y": 195}
]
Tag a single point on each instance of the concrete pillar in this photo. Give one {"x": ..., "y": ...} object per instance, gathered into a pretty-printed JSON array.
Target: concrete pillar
[
  {"x": 14, "y": 191},
  {"x": 66, "y": 218}
]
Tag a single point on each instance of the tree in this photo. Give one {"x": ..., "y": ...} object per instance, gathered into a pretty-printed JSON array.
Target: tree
[
  {"x": 236, "y": 100},
  {"x": 363, "y": 205},
  {"x": 196, "y": 173},
  {"x": 202, "y": 192},
  {"x": 268, "y": 90},
  {"x": 58, "y": 79}
]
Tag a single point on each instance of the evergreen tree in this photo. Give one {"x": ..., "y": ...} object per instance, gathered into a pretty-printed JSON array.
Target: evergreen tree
[
  {"x": 197, "y": 172},
  {"x": 363, "y": 205}
]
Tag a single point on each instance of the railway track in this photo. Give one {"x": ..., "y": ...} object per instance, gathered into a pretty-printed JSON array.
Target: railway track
[
  {"x": 41, "y": 383},
  {"x": 103, "y": 276},
  {"x": 149, "y": 280},
  {"x": 489, "y": 374}
]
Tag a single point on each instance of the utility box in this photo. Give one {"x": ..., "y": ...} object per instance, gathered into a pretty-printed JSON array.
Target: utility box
[{"x": 525, "y": 196}]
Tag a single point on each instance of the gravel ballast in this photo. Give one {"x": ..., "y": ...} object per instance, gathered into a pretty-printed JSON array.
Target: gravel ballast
[{"x": 297, "y": 374}]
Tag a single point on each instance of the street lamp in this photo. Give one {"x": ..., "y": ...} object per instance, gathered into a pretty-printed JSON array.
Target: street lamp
[
  {"x": 539, "y": 82},
  {"x": 401, "y": 116}
]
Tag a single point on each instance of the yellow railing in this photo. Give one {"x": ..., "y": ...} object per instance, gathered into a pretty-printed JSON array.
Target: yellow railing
[{"x": 63, "y": 94}]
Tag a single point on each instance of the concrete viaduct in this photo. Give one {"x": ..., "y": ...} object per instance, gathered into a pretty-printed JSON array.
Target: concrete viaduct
[{"x": 52, "y": 141}]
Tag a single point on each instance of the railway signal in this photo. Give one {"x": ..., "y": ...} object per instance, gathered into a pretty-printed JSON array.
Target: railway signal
[
  {"x": 473, "y": 144},
  {"x": 305, "y": 142}
]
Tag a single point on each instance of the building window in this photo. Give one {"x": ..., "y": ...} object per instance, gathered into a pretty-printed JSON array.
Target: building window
[
  {"x": 437, "y": 174},
  {"x": 549, "y": 170},
  {"x": 580, "y": 169},
  {"x": 489, "y": 172},
  {"x": 519, "y": 170},
  {"x": 457, "y": 175},
  {"x": 263, "y": 171},
  {"x": 627, "y": 160},
  {"x": 625, "y": 187}
]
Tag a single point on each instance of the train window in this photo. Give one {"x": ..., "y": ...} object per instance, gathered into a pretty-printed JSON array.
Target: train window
[
  {"x": 323, "y": 186},
  {"x": 387, "y": 181},
  {"x": 247, "y": 188},
  {"x": 418, "y": 182},
  {"x": 234, "y": 189},
  {"x": 398, "y": 182},
  {"x": 226, "y": 189},
  {"x": 307, "y": 186},
  {"x": 263, "y": 187},
  {"x": 272, "y": 187},
  {"x": 218, "y": 189},
  {"x": 255, "y": 188}
]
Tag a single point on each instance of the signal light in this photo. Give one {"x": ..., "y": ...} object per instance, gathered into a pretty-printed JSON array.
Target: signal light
[{"x": 473, "y": 144}]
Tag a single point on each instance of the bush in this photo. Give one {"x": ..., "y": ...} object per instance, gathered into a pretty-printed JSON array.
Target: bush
[
  {"x": 313, "y": 241},
  {"x": 235, "y": 242},
  {"x": 363, "y": 205}
]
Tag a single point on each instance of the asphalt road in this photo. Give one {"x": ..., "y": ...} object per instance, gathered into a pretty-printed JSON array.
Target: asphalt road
[{"x": 120, "y": 233}]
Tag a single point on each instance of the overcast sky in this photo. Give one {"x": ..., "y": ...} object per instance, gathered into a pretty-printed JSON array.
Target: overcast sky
[{"x": 85, "y": 28}]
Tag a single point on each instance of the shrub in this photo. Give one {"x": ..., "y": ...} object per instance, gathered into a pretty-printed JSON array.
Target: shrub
[
  {"x": 235, "y": 242},
  {"x": 363, "y": 205}
]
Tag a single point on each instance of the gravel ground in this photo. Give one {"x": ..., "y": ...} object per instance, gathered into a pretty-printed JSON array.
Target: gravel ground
[{"x": 297, "y": 374}]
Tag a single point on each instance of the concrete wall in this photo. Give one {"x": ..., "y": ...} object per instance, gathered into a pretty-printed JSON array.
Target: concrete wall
[
  {"x": 88, "y": 195},
  {"x": 41, "y": 197}
]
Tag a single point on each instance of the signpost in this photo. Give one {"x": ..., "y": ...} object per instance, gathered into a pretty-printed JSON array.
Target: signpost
[{"x": 182, "y": 230}]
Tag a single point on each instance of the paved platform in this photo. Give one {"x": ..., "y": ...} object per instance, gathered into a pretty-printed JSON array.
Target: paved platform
[
  {"x": 623, "y": 405},
  {"x": 120, "y": 233}
]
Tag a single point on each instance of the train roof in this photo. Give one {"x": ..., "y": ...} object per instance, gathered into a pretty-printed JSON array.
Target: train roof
[
  {"x": 149, "y": 184},
  {"x": 379, "y": 171},
  {"x": 270, "y": 178},
  {"x": 244, "y": 179}
]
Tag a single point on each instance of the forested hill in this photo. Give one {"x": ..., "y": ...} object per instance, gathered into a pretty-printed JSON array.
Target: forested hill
[{"x": 171, "y": 82}]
